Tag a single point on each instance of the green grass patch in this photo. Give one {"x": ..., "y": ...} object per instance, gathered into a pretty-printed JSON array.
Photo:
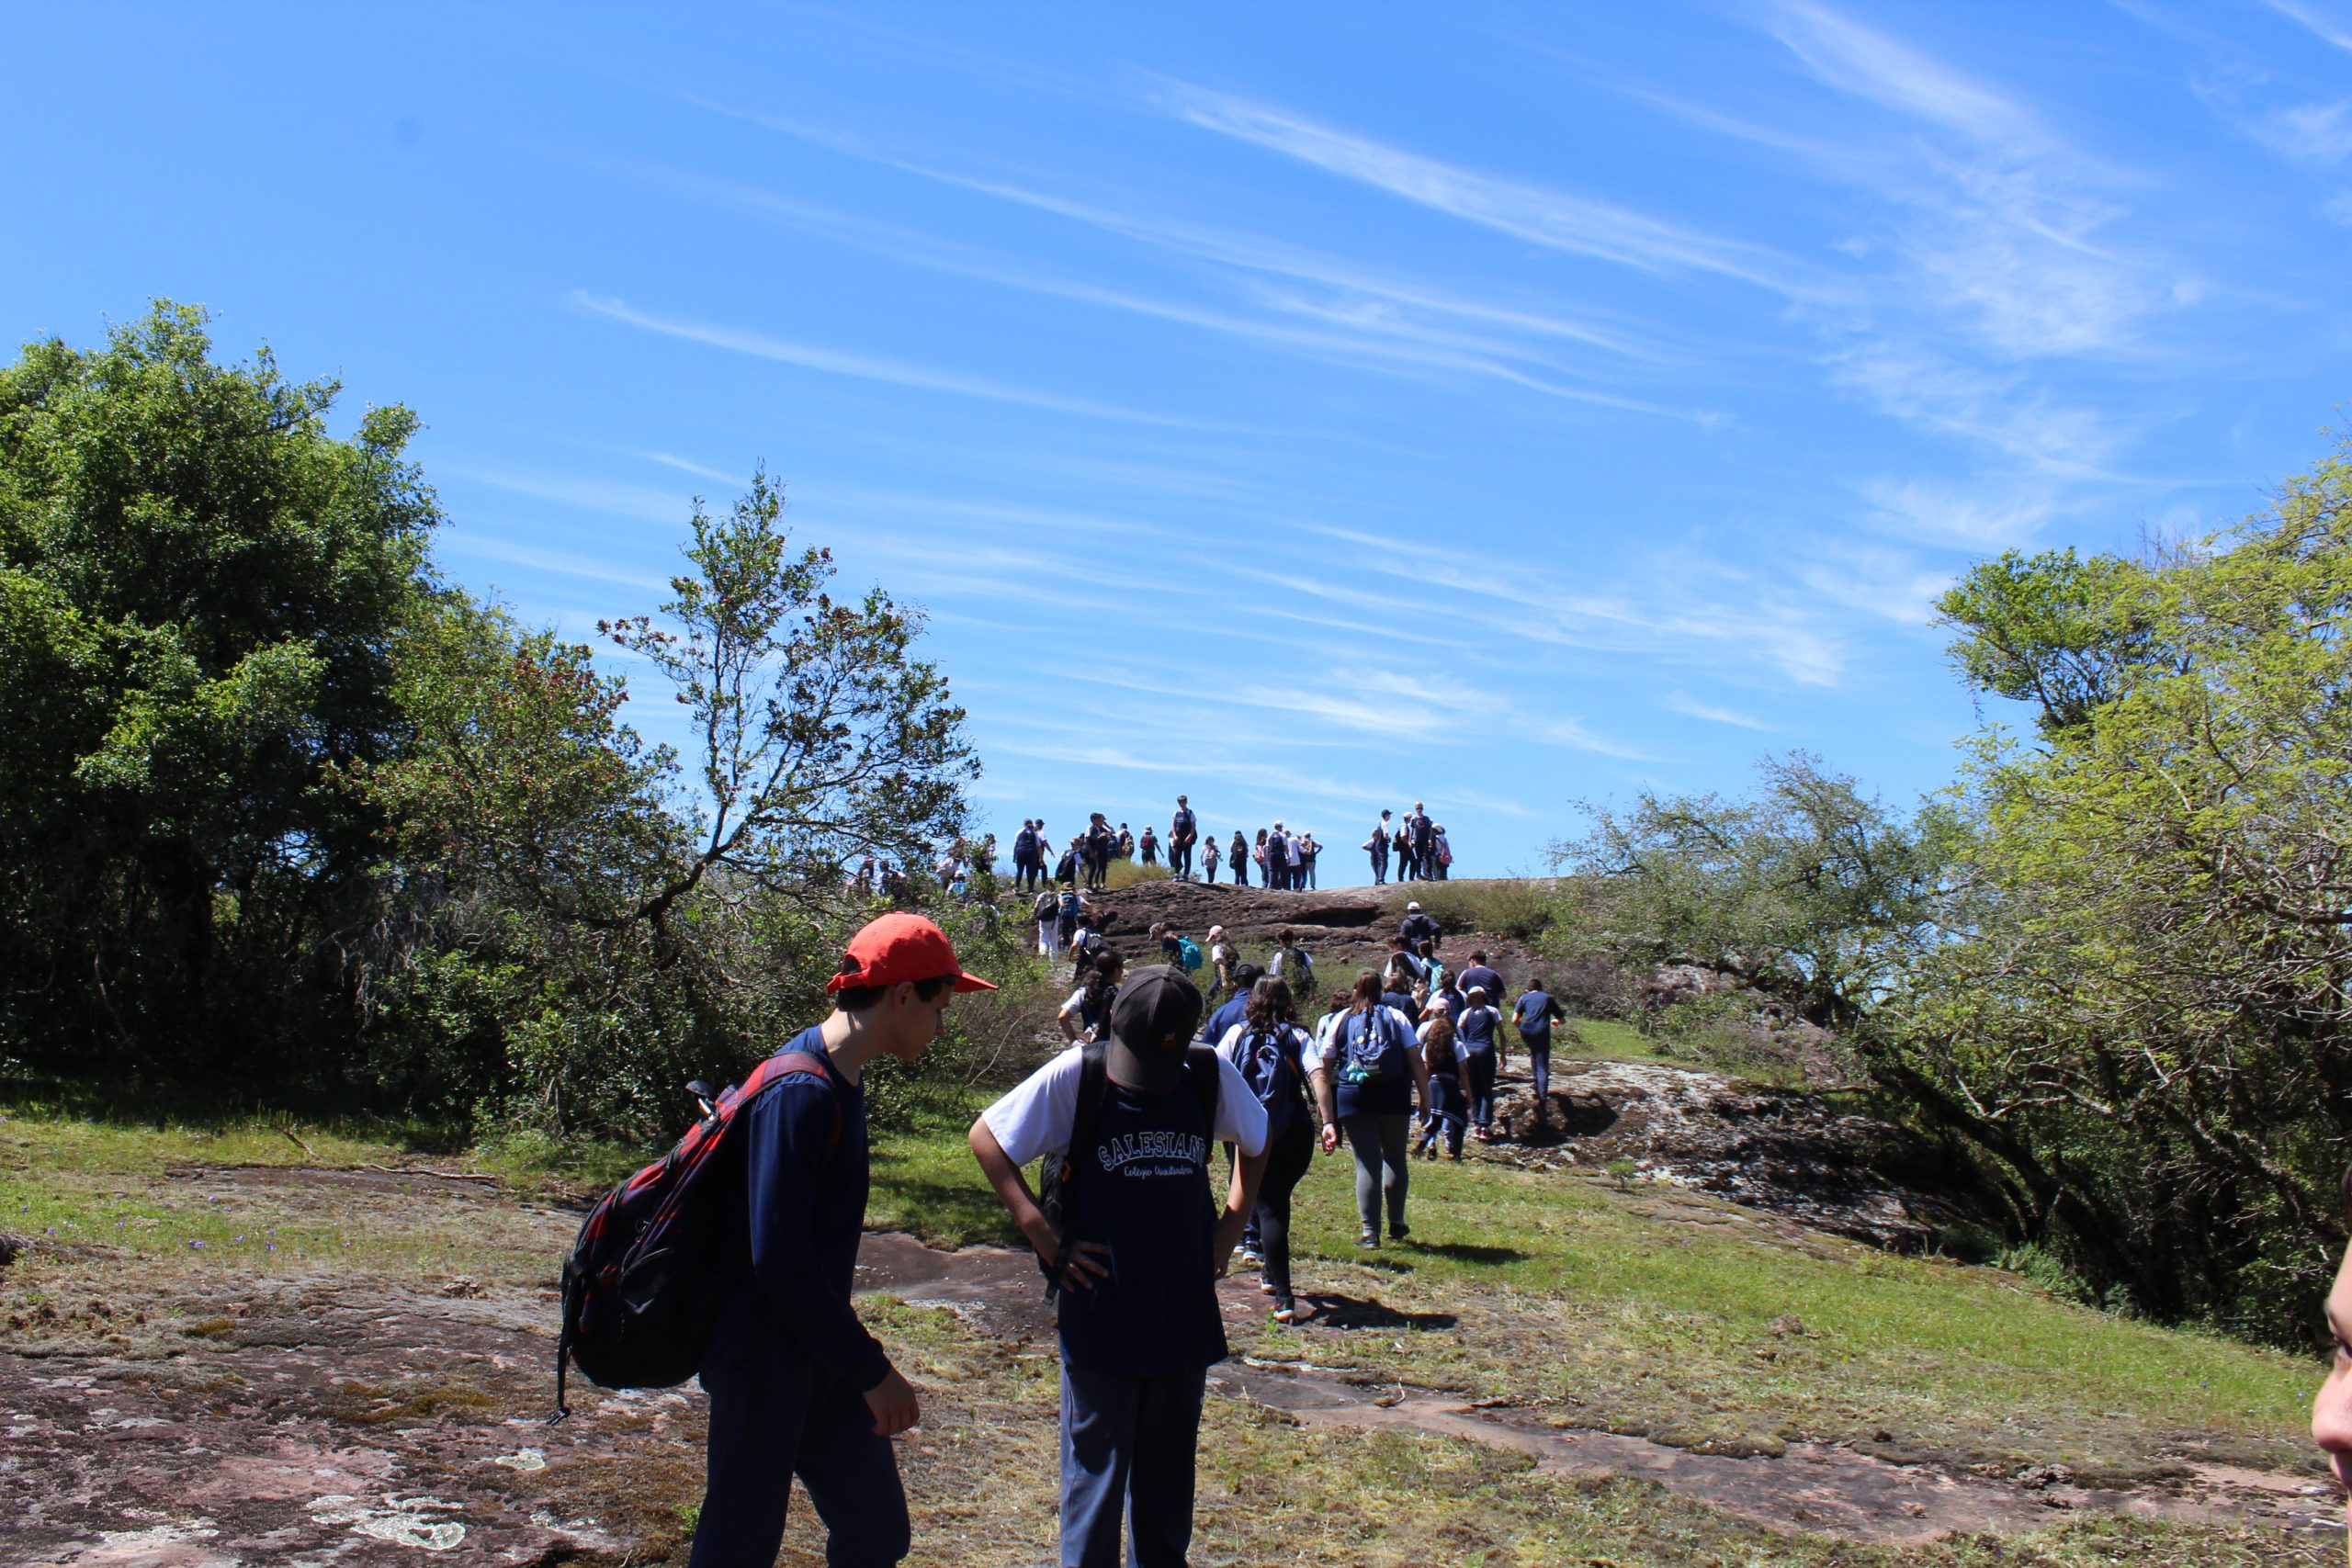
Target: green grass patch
[{"x": 1657, "y": 1312}]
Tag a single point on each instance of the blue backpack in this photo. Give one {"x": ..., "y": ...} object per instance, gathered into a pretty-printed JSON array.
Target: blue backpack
[
  {"x": 1271, "y": 1070},
  {"x": 1371, "y": 1051},
  {"x": 1188, "y": 953}
]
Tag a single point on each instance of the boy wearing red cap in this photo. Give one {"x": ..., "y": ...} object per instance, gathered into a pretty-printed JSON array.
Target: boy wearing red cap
[
  {"x": 1145, "y": 1244},
  {"x": 796, "y": 1385}
]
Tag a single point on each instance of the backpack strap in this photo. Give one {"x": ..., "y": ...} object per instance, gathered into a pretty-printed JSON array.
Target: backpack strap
[
  {"x": 1093, "y": 1086},
  {"x": 1207, "y": 1084},
  {"x": 794, "y": 1064}
]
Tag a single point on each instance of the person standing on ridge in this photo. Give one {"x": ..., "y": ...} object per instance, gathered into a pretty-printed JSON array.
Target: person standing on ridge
[
  {"x": 1024, "y": 856},
  {"x": 1378, "y": 846},
  {"x": 1183, "y": 829},
  {"x": 1209, "y": 858},
  {"x": 1236, "y": 859},
  {"x": 1440, "y": 852},
  {"x": 796, "y": 1385}
]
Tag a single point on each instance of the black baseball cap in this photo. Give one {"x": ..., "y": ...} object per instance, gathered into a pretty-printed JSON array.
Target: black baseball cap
[{"x": 1153, "y": 1023}]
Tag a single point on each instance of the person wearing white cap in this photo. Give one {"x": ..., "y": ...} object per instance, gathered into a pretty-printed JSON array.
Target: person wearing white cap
[
  {"x": 1222, "y": 958},
  {"x": 1416, "y": 927}
]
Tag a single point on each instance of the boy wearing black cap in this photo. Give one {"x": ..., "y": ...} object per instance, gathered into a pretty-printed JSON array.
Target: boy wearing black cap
[
  {"x": 1138, "y": 1255},
  {"x": 796, "y": 1385}
]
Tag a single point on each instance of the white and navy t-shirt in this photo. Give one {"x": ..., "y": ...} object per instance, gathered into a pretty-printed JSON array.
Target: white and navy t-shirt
[{"x": 1143, "y": 1190}]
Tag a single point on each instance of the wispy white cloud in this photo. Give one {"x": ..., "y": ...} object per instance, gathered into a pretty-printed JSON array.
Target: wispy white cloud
[
  {"x": 1394, "y": 326},
  {"x": 859, "y": 366},
  {"x": 1555, "y": 219},
  {"x": 2307, "y": 133},
  {"x": 643, "y": 502},
  {"x": 2005, "y": 219},
  {"x": 1682, "y": 703},
  {"x": 1873, "y": 66},
  {"x": 2326, "y": 24},
  {"x": 700, "y": 470},
  {"x": 469, "y": 541}
]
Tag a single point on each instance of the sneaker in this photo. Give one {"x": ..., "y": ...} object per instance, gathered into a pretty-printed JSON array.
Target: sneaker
[
  {"x": 1285, "y": 1310},
  {"x": 1250, "y": 1256},
  {"x": 1266, "y": 1287},
  {"x": 1398, "y": 1232},
  {"x": 1368, "y": 1239}
]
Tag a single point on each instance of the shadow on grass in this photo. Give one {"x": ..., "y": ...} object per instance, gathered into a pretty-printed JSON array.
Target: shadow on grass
[
  {"x": 1355, "y": 1312},
  {"x": 1468, "y": 1252}
]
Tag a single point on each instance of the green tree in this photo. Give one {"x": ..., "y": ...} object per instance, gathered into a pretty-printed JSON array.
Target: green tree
[
  {"x": 586, "y": 921},
  {"x": 2144, "y": 1020},
  {"x": 1810, "y": 889},
  {"x": 201, "y": 590},
  {"x": 2052, "y": 629}
]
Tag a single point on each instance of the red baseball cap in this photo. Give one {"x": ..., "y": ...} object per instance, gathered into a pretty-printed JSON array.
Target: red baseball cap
[{"x": 901, "y": 947}]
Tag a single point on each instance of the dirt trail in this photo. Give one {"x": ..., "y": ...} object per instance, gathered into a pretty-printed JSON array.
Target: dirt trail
[{"x": 1812, "y": 1487}]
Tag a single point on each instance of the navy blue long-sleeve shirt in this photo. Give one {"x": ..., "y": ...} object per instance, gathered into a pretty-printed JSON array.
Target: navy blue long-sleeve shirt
[{"x": 808, "y": 1213}]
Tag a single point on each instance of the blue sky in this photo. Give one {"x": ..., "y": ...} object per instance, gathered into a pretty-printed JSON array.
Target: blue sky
[{"x": 1312, "y": 408}]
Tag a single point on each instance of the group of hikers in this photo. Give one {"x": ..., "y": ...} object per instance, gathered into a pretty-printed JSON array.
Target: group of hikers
[
  {"x": 1284, "y": 857},
  {"x": 1129, "y": 1225}
]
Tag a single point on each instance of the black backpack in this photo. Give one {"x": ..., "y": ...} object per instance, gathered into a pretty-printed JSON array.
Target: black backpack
[
  {"x": 651, "y": 1267},
  {"x": 1055, "y": 1189}
]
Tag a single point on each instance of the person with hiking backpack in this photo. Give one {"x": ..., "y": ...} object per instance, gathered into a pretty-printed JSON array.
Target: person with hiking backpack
[
  {"x": 1478, "y": 1028},
  {"x": 1294, "y": 965},
  {"x": 1046, "y": 911},
  {"x": 1440, "y": 852},
  {"x": 1183, "y": 828},
  {"x": 1448, "y": 1112},
  {"x": 735, "y": 1258},
  {"x": 1132, "y": 1255},
  {"x": 1024, "y": 854},
  {"x": 1279, "y": 1061},
  {"x": 1149, "y": 845},
  {"x": 1088, "y": 1011},
  {"x": 1374, "y": 1075}
]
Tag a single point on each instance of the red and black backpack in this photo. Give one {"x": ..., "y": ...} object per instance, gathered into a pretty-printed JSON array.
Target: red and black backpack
[{"x": 646, "y": 1274}]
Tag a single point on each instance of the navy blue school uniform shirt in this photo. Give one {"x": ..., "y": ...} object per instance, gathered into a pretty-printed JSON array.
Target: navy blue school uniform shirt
[
  {"x": 1535, "y": 1009},
  {"x": 1232, "y": 1010},
  {"x": 807, "y": 1198},
  {"x": 1142, "y": 1188},
  {"x": 1478, "y": 976},
  {"x": 1475, "y": 1029}
]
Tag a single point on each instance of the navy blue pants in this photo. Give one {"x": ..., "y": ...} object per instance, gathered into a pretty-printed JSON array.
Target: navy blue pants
[
  {"x": 1539, "y": 1067},
  {"x": 1482, "y": 1087},
  {"x": 1127, "y": 1448},
  {"x": 774, "y": 1414}
]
